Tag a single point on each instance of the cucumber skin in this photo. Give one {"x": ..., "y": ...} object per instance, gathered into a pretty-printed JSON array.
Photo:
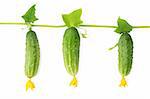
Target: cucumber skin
[
  {"x": 125, "y": 50},
  {"x": 32, "y": 57},
  {"x": 71, "y": 49}
]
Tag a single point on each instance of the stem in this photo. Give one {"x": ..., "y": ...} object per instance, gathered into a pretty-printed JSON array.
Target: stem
[
  {"x": 141, "y": 26},
  {"x": 113, "y": 47},
  {"x": 103, "y": 26},
  {"x": 12, "y": 23},
  {"x": 61, "y": 26},
  {"x": 49, "y": 26},
  {"x": 33, "y": 25}
]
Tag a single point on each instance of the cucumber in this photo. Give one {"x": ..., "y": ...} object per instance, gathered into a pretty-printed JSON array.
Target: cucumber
[
  {"x": 71, "y": 49},
  {"x": 32, "y": 57},
  {"x": 125, "y": 56}
]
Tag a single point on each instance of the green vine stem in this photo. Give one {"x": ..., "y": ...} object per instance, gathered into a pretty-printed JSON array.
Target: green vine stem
[
  {"x": 102, "y": 26},
  {"x": 60, "y": 26}
]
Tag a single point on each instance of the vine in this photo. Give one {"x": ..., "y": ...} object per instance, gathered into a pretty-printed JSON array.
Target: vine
[{"x": 62, "y": 26}]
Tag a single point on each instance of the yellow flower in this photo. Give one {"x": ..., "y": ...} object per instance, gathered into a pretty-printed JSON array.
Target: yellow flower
[
  {"x": 74, "y": 82},
  {"x": 30, "y": 85},
  {"x": 123, "y": 82}
]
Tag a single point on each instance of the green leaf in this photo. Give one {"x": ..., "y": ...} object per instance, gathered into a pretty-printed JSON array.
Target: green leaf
[
  {"x": 73, "y": 19},
  {"x": 123, "y": 26},
  {"x": 29, "y": 16}
]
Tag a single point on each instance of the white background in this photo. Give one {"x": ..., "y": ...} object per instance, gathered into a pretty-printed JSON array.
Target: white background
[{"x": 98, "y": 72}]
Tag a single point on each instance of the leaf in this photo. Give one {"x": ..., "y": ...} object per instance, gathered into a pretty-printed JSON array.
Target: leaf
[
  {"x": 73, "y": 19},
  {"x": 123, "y": 26},
  {"x": 29, "y": 16}
]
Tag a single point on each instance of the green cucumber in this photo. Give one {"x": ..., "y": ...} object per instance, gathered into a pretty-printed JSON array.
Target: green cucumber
[
  {"x": 125, "y": 56},
  {"x": 32, "y": 57},
  {"x": 71, "y": 49}
]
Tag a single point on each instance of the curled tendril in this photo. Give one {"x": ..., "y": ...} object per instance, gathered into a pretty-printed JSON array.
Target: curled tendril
[
  {"x": 83, "y": 32},
  {"x": 30, "y": 85},
  {"x": 123, "y": 82},
  {"x": 74, "y": 82}
]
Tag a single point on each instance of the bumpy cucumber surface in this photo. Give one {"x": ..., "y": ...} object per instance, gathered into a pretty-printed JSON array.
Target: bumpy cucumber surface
[
  {"x": 125, "y": 50},
  {"x": 71, "y": 48},
  {"x": 32, "y": 56}
]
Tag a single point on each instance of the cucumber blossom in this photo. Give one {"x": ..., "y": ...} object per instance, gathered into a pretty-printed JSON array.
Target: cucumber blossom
[
  {"x": 71, "y": 50},
  {"x": 32, "y": 57},
  {"x": 125, "y": 56}
]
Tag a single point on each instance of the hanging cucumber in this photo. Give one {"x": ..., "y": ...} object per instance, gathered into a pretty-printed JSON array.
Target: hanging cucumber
[
  {"x": 32, "y": 56},
  {"x": 125, "y": 49},
  {"x": 125, "y": 55},
  {"x": 71, "y": 44},
  {"x": 71, "y": 48}
]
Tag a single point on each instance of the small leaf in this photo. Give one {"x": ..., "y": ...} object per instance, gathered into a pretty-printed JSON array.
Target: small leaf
[
  {"x": 73, "y": 19},
  {"x": 29, "y": 16},
  {"x": 123, "y": 26}
]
